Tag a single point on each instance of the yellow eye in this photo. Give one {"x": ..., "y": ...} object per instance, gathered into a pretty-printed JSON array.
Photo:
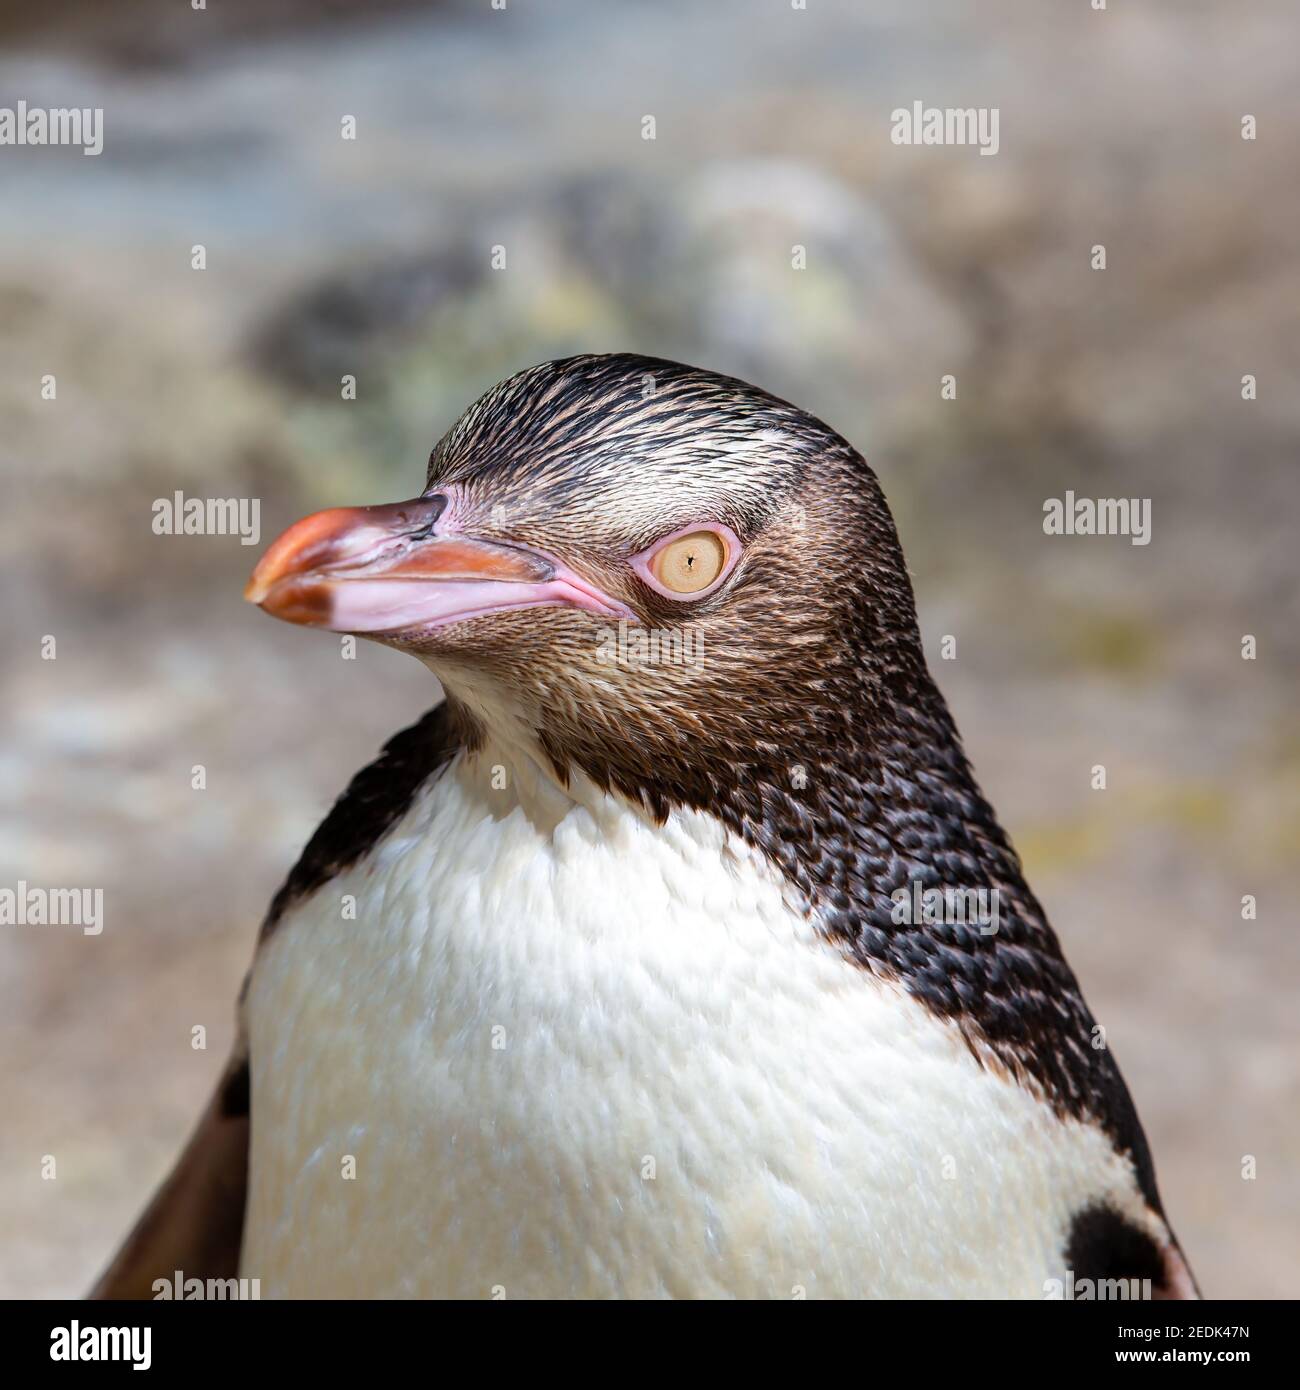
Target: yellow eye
[{"x": 690, "y": 563}]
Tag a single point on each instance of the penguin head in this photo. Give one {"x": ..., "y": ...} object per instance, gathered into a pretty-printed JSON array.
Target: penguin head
[{"x": 644, "y": 566}]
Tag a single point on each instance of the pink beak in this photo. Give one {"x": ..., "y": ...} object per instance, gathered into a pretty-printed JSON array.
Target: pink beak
[{"x": 386, "y": 570}]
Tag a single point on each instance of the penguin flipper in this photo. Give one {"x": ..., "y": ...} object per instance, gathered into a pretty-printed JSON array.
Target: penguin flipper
[{"x": 1105, "y": 1247}]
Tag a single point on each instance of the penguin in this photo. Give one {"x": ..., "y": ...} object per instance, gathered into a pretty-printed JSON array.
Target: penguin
[{"x": 645, "y": 964}]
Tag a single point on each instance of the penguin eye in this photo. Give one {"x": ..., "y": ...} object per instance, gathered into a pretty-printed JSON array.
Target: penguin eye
[{"x": 690, "y": 562}]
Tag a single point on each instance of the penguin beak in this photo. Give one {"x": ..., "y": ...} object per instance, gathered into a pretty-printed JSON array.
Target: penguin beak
[{"x": 389, "y": 569}]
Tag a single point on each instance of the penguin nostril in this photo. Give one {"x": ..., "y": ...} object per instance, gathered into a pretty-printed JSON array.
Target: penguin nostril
[{"x": 437, "y": 504}]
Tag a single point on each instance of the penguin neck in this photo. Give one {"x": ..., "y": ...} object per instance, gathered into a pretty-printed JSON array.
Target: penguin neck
[
  {"x": 505, "y": 754},
  {"x": 865, "y": 794}
]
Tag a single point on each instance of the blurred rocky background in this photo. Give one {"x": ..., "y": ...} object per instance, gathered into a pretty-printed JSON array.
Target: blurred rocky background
[{"x": 522, "y": 128}]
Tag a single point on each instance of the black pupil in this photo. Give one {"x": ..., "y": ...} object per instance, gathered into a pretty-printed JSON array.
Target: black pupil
[{"x": 690, "y": 560}]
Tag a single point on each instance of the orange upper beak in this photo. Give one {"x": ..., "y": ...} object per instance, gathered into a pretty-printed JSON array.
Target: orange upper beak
[{"x": 386, "y": 570}]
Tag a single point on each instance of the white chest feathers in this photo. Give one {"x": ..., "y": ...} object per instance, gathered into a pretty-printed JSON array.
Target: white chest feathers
[{"x": 537, "y": 1046}]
